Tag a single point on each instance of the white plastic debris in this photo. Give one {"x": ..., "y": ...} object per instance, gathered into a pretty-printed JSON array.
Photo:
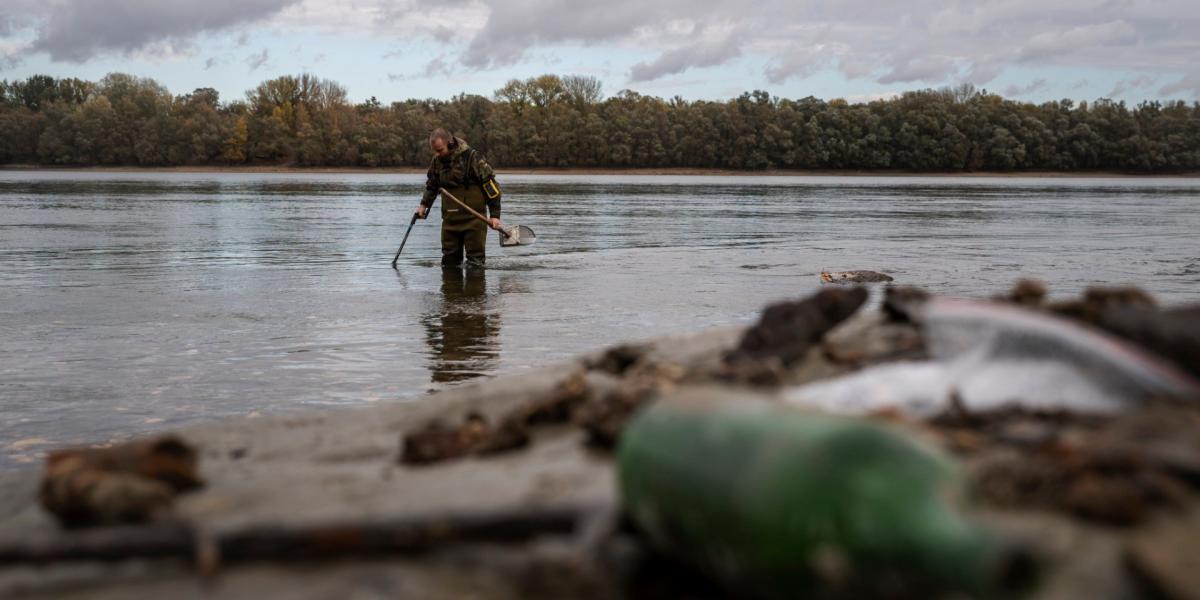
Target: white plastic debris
[{"x": 992, "y": 354}]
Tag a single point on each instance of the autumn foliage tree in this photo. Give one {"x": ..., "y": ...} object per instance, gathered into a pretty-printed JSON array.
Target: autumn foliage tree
[{"x": 553, "y": 121}]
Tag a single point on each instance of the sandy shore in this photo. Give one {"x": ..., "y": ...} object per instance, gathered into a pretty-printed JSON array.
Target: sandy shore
[{"x": 601, "y": 171}]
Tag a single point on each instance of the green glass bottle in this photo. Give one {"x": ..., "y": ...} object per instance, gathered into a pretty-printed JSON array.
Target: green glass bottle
[{"x": 783, "y": 503}]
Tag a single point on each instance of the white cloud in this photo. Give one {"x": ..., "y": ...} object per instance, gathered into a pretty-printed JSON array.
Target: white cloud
[
  {"x": 10, "y": 53},
  {"x": 929, "y": 69},
  {"x": 704, "y": 53},
  {"x": 917, "y": 42}
]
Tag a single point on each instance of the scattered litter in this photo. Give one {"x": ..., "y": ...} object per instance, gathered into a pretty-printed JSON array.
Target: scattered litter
[
  {"x": 479, "y": 435},
  {"x": 991, "y": 354},
  {"x": 854, "y": 277},
  {"x": 770, "y": 501},
  {"x": 787, "y": 331},
  {"x": 127, "y": 483}
]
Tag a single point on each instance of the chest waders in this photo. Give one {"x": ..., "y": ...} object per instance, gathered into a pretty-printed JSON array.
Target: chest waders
[{"x": 463, "y": 236}]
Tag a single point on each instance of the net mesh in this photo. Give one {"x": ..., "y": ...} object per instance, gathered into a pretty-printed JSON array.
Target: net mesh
[{"x": 517, "y": 235}]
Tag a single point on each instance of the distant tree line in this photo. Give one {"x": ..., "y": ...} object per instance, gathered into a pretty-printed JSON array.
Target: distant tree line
[{"x": 553, "y": 121}]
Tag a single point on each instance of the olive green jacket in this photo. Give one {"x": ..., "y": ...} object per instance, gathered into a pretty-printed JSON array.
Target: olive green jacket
[{"x": 465, "y": 168}]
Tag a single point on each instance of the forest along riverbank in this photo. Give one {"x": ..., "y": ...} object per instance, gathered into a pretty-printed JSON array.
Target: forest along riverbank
[
  {"x": 309, "y": 120},
  {"x": 1030, "y": 445}
]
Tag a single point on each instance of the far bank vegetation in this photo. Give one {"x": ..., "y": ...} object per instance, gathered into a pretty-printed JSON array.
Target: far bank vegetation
[{"x": 553, "y": 121}]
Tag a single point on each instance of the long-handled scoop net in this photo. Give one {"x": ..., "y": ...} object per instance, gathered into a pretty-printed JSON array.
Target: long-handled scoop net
[{"x": 513, "y": 235}]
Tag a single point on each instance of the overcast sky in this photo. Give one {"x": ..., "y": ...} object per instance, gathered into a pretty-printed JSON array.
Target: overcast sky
[{"x": 1033, "y": 50}]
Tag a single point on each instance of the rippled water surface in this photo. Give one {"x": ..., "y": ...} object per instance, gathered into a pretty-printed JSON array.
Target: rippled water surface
[{"x": 133, "y": 302}]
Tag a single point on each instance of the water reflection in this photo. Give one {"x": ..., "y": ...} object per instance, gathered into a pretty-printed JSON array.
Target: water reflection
[{"x": 463, "y": 336}]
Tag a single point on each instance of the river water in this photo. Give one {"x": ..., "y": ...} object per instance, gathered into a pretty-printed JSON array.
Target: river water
[{"x": 132, "y": 302}]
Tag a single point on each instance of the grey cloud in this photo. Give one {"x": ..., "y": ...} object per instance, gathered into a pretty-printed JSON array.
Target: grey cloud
[
  {"x": 927, "y": 41},
  {"x": 258, "y": 59},
  {"x": 856, "y": 67},
  {"x": 701, "y": 54},
  {"x": 1036, "y": 86},
  {"x": 804, "y": 60},
  {"x": 954, "y": 20},
  {"x": 9, "y": 23},
  {"x": 436, "y": 67},
  {"x": 17, "y": 14},
  {"x": 443, "y": 34},
  {"x": 77, "y": 30},
  {"x": 1189, "y": 83},
  {"x": 983, "y": 71},
  {"x": 1054, "y": 43},
  {"x": 1129, "y": 85}
]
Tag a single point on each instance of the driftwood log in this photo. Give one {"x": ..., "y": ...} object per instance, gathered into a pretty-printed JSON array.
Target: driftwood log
[{"x": 400, "y": 535}]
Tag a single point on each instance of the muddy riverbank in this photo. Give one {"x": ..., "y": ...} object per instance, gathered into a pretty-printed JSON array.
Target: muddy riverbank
[{"x": 506, "y": 486}]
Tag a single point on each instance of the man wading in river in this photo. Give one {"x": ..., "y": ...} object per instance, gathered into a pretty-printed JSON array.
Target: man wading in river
[{"x": 465, "y": 173}]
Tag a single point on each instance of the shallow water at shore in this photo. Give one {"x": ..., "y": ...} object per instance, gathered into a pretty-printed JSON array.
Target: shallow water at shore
[{"x": 131, "y": 302}]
